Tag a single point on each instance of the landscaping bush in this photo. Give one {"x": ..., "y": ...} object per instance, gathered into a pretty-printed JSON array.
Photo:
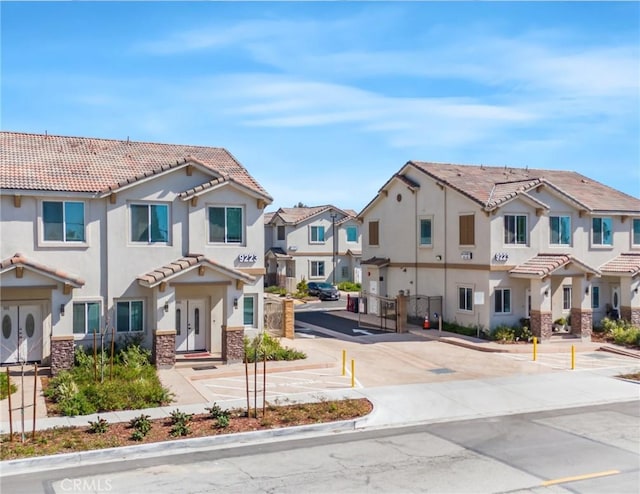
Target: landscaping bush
[
  {"x": 4, "y": 384},
  {"x": 266, "y": 344},
  {"x": 278, "y": 290},
  {"x": 463, "y": 330},
  {"x": 503, "y": 334},
  {"x": 621, "y": 332},
  {"x": 349, "y": 286},
  {"x": 131, "y": 384}
]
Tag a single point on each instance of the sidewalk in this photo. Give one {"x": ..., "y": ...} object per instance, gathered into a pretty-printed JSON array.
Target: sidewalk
[{"x": 447, "y": 398}]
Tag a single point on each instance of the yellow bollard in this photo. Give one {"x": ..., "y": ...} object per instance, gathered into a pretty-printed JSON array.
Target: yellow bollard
[
  {"x": 535, "y": 348},
  {"x": 353, "y": 373},
  {"x": 573, "y": 357},
  {"x": 344, "y": 362}
]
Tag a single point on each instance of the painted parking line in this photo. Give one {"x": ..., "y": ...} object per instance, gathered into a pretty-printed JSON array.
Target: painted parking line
[
  {"x": 281, "y": 384},
  {"x": 583, "y": 361},
  {"x": 577, "y": 478}
]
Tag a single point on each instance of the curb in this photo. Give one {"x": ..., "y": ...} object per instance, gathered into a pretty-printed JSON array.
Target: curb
[{"x": 9, "y": 468}]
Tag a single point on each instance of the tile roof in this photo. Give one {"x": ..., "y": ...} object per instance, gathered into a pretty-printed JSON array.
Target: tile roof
[
  {"x": 545, "y": 264},
  {"x": 490, "y": 186},
  {"x": 381, "y": 262},
  {"x": 628, "y": 263},
  {"x": 82, "y": 164},
  {"x": 279, "y": 253},
  {"x": 19, "y": 260},
  {"x": 294, "y": 216},
  {"x": 185, "y": 264}
]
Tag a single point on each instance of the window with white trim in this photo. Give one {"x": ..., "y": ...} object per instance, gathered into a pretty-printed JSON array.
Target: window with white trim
[
  {"x": 602, "y": 231},
  {"x": 635, "y": 231},
  {"x": 317, "y": 269},
  {"x": 249, "y": 310},
  {"x": 566, "y": 298},
  {"x": 129, "y": 316},
  {"x": 515, "y": 229},
  {"x": 560, "y": 230},
  {"x": 426, "y": 239},
  {"x": 595, "y": 297},
  {"x": 374, "y": 233},
  {"x": 86, "y": 318},
  {"x": 502, "y": 301},
  {"x": 317, "y": 234},
  {"x": 280, "y": 232},
  {"x": 225, "y": 225},
  {"x": 465, "y": 298},
  {"x": 352, "y": 233},
  {"x": 149, "y": 223},
  {"x": 63, "y": 221}
]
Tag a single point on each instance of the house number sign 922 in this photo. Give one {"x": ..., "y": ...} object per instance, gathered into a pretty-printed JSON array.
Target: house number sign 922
[
  {"x": 247, "y": 258},
  {"x": 502, "y": 256}
]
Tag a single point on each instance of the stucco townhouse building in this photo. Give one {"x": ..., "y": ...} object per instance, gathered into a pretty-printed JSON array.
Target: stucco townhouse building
[
  {"x": 160, "y": 242},
  {"x": 320, "y": 243},
  {"x": 500, "y": 244}
]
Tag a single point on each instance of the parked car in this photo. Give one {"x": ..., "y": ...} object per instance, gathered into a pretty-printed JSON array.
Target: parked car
[{"x": 323, "y": 290}]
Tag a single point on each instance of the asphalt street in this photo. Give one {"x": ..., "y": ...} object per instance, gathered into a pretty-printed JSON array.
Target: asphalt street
[{"x": 578, "y": 450}]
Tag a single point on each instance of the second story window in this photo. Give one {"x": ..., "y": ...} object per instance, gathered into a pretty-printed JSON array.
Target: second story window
[
  {"x": 602, "y": 231},
  {"x": 515, "y": 229},
  {"x": 352, "y": 234},
  {"x": 635, "y": 233},
  {"x": 467, "y": 229},
  {"x": 374, "y": 230},
  {"x": 317, "y": 234},
  {"x": 225, "y": 225},
  {"x": 425, "y": 232},
  {"x": 149, "y": 223},
  {"x": 560, "y": 230},
  {"x": 280, "y": 232},
  {"x": 63, "y": 221}
]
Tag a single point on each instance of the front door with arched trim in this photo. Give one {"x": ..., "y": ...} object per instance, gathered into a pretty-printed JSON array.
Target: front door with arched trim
[{"x": 21, "y": 333}]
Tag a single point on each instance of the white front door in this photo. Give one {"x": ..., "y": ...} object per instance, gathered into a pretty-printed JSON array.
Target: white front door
[
  {"x": 190, "y": 325},
  {"x": 21, "y": 335}
]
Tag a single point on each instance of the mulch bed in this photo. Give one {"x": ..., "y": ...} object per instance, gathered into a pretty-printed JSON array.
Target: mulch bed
[{"x": 74, "y": 439}]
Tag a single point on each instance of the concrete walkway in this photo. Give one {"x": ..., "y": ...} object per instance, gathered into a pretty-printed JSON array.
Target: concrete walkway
[{"x": 417, "y": 392}]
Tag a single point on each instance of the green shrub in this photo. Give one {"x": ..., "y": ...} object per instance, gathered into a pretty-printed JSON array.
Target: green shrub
[
  {"x": 302, "y": 290},
  {"x": 5, "y": 387},
  {"x": 456, "y": 328},
  {"x": 180, "y": 423},
  {"x": 503, "y": 334},
  {"x": 141, "y": 426},
  {"x": 267, "y": 345},
  {"x": 135, "y": 384},
  {"x": 77, "y": 405},
  {"x": 622, "y": 332},
  {"x": 278, "y": 290},
  {"x": 216, "y": 412},
  {"x": 349, "y": 286},
  {"x": 223, "y": 421},
  {"x": 523, "y": 333},
  {"x": 100, "y": 426},
  {"x": 62, "y": 387}
]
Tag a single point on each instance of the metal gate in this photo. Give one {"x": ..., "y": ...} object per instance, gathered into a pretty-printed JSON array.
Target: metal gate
[
  {"x": 378, "y": 313},
  {"x": 273, "y": 323},
  {"x": 418, "y": 306}
]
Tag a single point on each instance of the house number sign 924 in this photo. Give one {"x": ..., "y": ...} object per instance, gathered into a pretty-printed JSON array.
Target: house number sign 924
[
  {"x": 501, "y": 256},
  {"x": 247, "y": 258}
]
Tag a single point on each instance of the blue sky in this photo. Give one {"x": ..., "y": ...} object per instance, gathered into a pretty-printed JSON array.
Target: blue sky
[{"x": 323, "y": 102}]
